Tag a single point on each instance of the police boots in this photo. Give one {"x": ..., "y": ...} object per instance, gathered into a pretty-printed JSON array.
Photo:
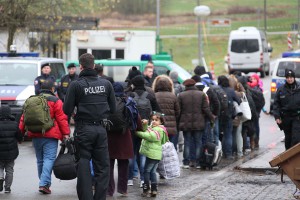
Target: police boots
[
  {"x": 153, "y": 190},
  {"x": 145, "y": 190}
]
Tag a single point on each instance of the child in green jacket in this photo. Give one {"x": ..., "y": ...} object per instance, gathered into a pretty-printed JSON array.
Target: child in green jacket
[{"x": 154, "y": 136}]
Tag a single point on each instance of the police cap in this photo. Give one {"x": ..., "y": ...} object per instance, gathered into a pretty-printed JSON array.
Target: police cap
[
  {"x": 289, "y": 73},
  {"x": 71, "y": 65},
  {"x": 44, "y": 65}
]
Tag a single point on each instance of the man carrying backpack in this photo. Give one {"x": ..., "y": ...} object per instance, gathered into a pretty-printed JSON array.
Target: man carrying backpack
[
  {"x": 45, "y": 137},
  {"x": 94, "y": 99}
]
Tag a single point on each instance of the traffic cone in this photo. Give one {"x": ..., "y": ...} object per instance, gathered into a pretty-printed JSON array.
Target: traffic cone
[
  {"x": 212, "y": 70},
  {"x": 289, "y": 39}
]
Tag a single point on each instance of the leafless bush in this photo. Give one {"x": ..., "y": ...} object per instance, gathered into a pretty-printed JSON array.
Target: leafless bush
[{"x": 241, "y": 10}]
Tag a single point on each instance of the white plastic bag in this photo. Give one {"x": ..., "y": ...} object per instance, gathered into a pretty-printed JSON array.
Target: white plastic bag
[
  {"x": 244, "y": 106},
  {"x": 169, "y": 166}
]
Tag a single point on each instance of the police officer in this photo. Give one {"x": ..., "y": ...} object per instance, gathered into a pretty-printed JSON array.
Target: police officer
[
  {"x": 95, "y": 100},
  {"x": 65, "y": 81},
  {"x": 46, "y": 70},
  {"x": 286, "y": 109}
]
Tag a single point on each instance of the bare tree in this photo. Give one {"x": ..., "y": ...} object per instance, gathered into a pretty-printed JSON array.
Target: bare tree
[{"x": 17, "y": 14}]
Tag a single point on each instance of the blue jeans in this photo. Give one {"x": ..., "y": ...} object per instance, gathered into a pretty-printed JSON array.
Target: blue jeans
[
  {"x": 174, "y": 140},
  {"x": 191, "y": 137},
  {"x": 45, "y": 151},
  {"x": 227, "y": 137},
  {"x": 150, "y": 171},
  {"x": 141, "y": 166},
  {"x": 216, "y": 132}
]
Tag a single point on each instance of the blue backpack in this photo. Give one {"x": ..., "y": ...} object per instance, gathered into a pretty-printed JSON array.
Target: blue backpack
[{"x": 132, "y": 113}]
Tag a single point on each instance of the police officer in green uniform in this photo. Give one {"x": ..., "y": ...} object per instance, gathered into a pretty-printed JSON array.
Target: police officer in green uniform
[
  {"x": 46, "y": 70},
  {"x": 65, "y": 81}
]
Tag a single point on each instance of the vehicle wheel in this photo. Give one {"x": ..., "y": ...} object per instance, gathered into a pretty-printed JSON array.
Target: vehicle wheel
[
  {"x": 262, "y": 74},
  {"x": 267, "y": 73}
]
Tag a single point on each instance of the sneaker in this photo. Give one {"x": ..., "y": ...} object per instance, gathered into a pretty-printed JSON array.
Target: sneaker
[
  {"x": 130, "y": 182},
  {"x": 7, "y": 190},
  {"x": 45, "y": 189},
  {"x": 185, "y": 166},
  {"x": 141, "y": 184},
  {"x": 1, "y": 184}
]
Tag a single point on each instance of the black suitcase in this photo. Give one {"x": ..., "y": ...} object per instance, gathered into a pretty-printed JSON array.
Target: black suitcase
[{"x": 211, "y": 155}]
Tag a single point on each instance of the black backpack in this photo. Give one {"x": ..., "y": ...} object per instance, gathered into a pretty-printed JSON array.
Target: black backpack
[
  {"x": 65, "y": 165},
  {"x": 258, "y": 98},
  {"x": 143, "y": 104},
  {"x": 223, "y": 99},
  {"x": 119, "y": 119}
]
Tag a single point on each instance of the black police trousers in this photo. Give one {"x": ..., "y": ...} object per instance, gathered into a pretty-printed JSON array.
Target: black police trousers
[
  {"x": 91, "y": 143},
  {"x": 291, "y": 128}
]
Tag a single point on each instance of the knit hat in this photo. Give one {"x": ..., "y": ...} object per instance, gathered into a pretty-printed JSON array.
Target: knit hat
[
  {"x": 71, "y": 65},
  {"x": 138, "y": 80},
  {"x": 5, "y": 112},
  {"x": 290, "y": 73},
  {"x": 133, "y": 73},
  {"x": 199, "y": 70},
  {"x": 174, "y": 75},
  {"x": 189, "y": 82},
  {"x": 118, "y": 88}
]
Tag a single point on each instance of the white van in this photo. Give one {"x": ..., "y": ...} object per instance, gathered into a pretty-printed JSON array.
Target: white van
[
  {"x": 248, "y": 51},
  {"x": 17, "y": 78}
]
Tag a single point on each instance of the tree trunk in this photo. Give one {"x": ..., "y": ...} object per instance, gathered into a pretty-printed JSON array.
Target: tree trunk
[{"x": 11, "y": 33}]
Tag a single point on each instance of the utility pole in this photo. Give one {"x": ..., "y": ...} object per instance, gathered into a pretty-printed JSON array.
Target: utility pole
[
  {"x": 265, "y": 15},
  {"x": 199, "y": 37},
  {"x": 158, "y": 40}
]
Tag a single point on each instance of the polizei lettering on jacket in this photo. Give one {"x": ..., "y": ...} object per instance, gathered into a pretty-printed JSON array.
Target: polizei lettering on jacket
[{"x": 94, "y": 90}]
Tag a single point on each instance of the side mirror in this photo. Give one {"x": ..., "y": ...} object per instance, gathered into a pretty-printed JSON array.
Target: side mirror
[{"x": 270, "y": 49}]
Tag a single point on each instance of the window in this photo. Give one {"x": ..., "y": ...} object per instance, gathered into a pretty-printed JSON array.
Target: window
[
  {"x": 18, "y": 73},
  {"x": 119, "y": 73},
  {"x": 57, "y": 70},
  {"x": 160, "y": 70},
  {"x": 295, "y": 66},
  {"x": 120, "y": 53},
  {"x": 101, "y": 54},
  {"x": 244, "y": 46},
  {"x": 81, "y": 51}
]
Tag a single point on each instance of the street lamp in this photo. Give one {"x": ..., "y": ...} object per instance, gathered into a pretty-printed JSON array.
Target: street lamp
[{"x": 200, "y": 11}]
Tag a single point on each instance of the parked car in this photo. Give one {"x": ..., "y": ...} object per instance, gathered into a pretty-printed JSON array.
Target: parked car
[
  {"x": 248, "y": 51},
  {"x": 291, "y": 61},
  {"x": 17, "y": 79}
]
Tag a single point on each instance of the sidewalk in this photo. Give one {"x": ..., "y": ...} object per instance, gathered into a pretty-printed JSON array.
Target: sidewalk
[{"x": 260, "y": 163}]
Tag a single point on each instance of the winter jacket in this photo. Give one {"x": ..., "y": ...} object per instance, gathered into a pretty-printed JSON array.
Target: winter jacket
[
  {"x": 61, "y": 126},
  {"x": 9, "y": 137},
  {"x": 167, "y": 101},
  {"x": 193, "y": 106},
  {"x": 287, "y": 101},
  {"x": 153, "y": 139}
]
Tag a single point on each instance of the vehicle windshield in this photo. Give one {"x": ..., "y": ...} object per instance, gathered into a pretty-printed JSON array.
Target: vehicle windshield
[
  {"x": 244, "y": 46},
  {"x": 292, "y": 65},
  {"x": 18, "y": 73},
  {"x": 182, "y": 73}
]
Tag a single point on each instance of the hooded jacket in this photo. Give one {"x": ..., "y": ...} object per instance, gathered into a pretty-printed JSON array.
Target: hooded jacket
[{"x": 167, "y": 101}]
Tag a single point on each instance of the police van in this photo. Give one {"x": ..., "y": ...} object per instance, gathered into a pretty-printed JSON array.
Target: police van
[
  {"x": 289, "y": 60},
  {"x": 17, "y": 77},
  {"x": 248, "y": 51},
  {"x": 118, "y": 69}
]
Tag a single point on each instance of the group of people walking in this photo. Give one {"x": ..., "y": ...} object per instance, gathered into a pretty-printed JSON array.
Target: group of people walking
[{"x": 200, "y": 108}]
